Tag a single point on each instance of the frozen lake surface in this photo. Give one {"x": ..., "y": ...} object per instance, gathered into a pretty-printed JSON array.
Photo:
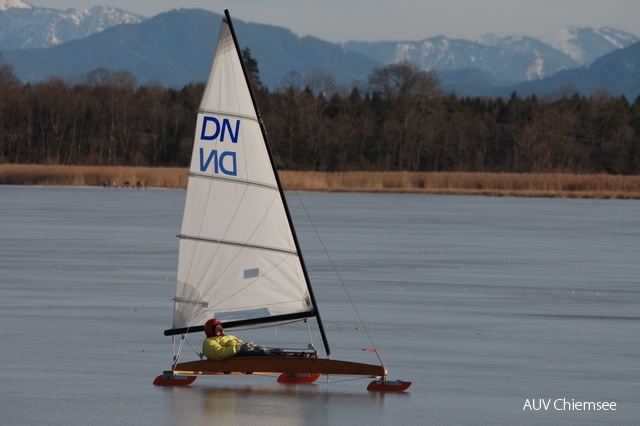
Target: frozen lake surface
[{"x": 486, "y": 304}]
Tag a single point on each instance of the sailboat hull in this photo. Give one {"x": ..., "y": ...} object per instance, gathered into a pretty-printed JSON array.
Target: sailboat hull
[{"x": 276, "y": 364}]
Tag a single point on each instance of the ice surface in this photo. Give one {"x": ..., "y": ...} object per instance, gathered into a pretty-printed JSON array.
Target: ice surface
[{"x": 484, "y": 303}]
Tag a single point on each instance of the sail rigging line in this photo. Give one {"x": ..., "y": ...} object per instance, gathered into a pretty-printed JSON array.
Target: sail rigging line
[
  {"x": 178, "y": 352},
  {"x": 186, "y": 339},
  {"x": 335, "y": 269},
  {"x": 311, "y": 345},
  {"x": 255, "y": 327},
  {"x": 269, "y": 147},
  {"x": 333, "y": 266}
]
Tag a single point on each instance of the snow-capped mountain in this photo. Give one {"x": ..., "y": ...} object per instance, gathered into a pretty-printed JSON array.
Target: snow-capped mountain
[
  {"x": 541, "y": 59},
  {"x": 616, "y": 73},
  {"x": 23, "y": 26},
  {"x": 13, "y": 4},
  {"x": 508, "y": 59},
  {"x": 585, "y": 45}
]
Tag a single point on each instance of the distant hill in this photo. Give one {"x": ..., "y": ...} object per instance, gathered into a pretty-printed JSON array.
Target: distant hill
[{"x": 175, "y": 48}]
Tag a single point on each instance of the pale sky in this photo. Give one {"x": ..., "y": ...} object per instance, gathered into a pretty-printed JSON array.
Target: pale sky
[{"x": 398, "y": 20}]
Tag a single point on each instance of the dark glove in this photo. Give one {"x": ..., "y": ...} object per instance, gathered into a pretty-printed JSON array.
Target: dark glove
[{"x": 248, "y": 346}]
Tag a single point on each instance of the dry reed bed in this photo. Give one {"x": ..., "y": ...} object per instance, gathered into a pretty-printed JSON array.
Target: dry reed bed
[
  {"x": 493, "y": 184},
  {"x": 117, "y": 176}
]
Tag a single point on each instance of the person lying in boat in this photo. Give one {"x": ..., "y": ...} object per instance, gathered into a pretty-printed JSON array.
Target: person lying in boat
[{"x": 218, "y": 346}]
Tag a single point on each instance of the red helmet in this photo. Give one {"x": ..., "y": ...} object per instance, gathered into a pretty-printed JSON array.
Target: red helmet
[{"x": 210, "y": 326}]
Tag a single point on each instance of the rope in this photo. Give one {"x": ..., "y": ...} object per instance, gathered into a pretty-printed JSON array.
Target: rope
[
  {"x": 335, "y": 270},
  {"x": 311, "y": 346},
  {"x": 276, "y": 155},
  {"x": 271, "y": 325},
  {"x": 176, "y": 354}
]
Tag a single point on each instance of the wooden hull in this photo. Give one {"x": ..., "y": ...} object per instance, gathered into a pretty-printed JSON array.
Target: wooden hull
[{"x": 276, "y": 364}]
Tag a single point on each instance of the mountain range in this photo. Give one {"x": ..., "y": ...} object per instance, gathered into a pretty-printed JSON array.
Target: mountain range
[
  {"x": 23, "y": 26},
  {"x": 175, "y": 48}
]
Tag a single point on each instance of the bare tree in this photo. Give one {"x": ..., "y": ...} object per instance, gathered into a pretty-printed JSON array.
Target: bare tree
[{"x": 409, "y": 94}]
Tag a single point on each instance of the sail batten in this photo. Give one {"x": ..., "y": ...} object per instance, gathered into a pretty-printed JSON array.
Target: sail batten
[
  {"x": 238, "y": 244},
  {"x": 234, "y": 181},
  {"x": 227, "y": 113},
  {"x": 195, "y": 302}
]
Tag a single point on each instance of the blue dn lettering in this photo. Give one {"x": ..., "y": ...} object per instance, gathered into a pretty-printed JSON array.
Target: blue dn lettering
[{"x": 223, "y": 162}]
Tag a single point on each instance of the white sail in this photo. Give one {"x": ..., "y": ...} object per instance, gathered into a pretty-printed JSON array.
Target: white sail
[{"x": 237, "y": 256}]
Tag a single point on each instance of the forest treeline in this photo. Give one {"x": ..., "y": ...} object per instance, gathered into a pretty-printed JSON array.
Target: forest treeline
[{"x": 400, "y": 121}]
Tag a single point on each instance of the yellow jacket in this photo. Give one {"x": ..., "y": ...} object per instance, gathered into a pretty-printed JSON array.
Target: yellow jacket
[{"x": 220, "y": 347}]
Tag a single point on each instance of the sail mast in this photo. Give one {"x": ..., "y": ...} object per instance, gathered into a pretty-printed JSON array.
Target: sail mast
[{"x": 275, "y": 171}]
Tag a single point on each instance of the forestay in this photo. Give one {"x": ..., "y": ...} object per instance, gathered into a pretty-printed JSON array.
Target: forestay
[{"x": 238, "y": 258}]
